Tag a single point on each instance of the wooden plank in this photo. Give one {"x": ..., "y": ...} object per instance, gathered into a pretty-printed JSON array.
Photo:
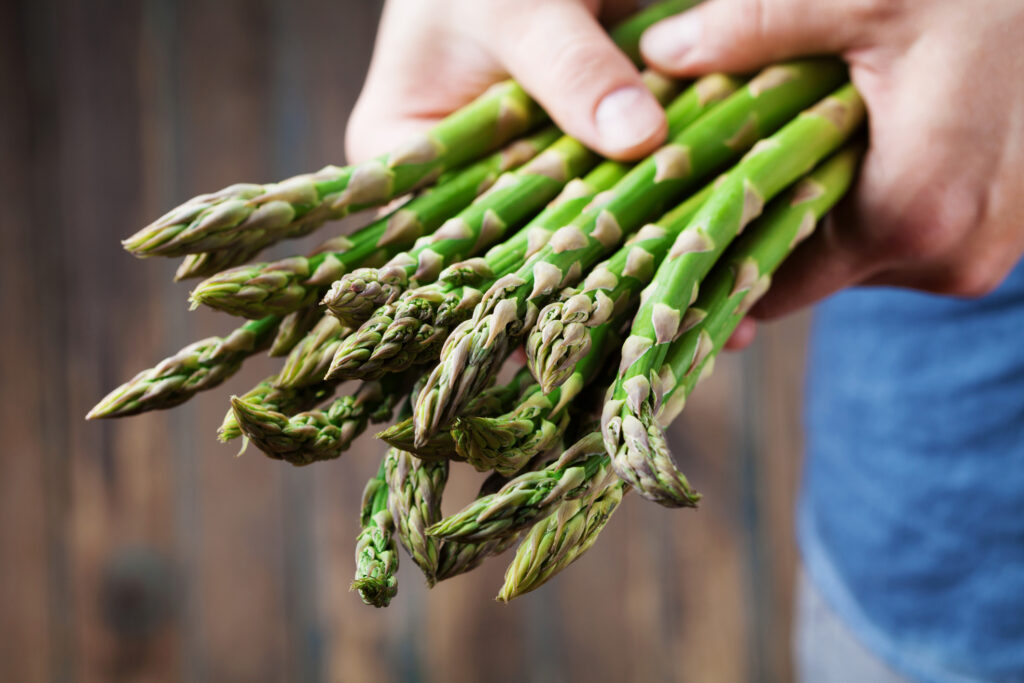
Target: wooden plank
[
  {"x": 475, "y": 638},
  {"x": 781, "y": 357},
  {"x": 121, "y": 518},
  {"x": 710, "y": 640},
  {"x": 30, "y": 641},
  {"x": 237, "y": 574}
]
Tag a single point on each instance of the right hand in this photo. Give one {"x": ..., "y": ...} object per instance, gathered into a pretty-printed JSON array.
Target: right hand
[{"x": 939, "y": 205}]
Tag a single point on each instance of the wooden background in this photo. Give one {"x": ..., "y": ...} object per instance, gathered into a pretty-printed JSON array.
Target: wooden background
[{"x": 142, "y": 550}]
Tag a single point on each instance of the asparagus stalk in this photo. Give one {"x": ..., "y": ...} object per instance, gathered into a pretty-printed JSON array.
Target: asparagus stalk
[
  {"x": 376, "y": 550},
  {"x": 246, "y": 213},
  {"x": 631, "y": 424},
  {"x": 559, "y": 539},
  {"x": 287, "y": 400},
  {"x": 627, "y": 34},
  {"x": 199, "y": 366},
  {"x": 293, "y": 329},
  {"x": 414, "y": 500},
  {"x": 318, "y": 435},
  {"x": 286, "y": 285},
  {"x": 531, "y": 495},
  {"x": 506, "y": 443},
  {"x": 411, "y": 330},
  {"x": 209, "y": 263},
  {"x": 566, "y": 328},
  {"x": 509, "y": 308},
  {"x": 514, "y": 198},
  {"x": 309, "y": 360}
]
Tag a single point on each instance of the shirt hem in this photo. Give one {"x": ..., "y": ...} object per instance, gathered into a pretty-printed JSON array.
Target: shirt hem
[{"x": 834, "y": 591}]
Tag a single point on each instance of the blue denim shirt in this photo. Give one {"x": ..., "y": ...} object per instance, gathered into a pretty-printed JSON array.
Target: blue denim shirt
[{"x": 911, "y": 517}]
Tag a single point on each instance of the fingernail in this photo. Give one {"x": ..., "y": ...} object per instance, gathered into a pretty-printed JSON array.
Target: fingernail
[
  {"x": 668, "y": 42},
  {"x": 627, "y": 117}
]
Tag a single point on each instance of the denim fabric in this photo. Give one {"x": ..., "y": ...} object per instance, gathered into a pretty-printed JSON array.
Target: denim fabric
[{"x": 911, "y": 517}]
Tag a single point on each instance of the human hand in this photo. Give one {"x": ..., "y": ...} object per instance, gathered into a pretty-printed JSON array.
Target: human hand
[
  {"x": 433, "y": 56},
  {"x": 939, "y": 205}
]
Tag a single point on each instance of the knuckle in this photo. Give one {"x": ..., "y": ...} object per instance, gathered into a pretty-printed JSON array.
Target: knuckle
[
  {"x": 756, "y": 22},
  {"x": 575, "y": 65}
]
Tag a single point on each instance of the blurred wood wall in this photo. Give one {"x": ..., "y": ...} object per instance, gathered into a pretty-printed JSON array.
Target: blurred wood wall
[{"x": 142, "y": 550}]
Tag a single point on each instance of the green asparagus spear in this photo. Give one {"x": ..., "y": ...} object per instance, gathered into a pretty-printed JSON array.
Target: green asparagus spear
[
  {"x": 531, "y": 495},
  {"x": 197, "y": 367},
  {"x": 630, "y": 424},
  {"x": 376, "y": 550},
  {"x": 414, "y": 500},
  {"x": 243, "y": 213},
  {"x": 318, "y": 435},
  {"x": 558, "y": 540},
  {"x": 309, "y": 360},
  {"x": 287, "y": 400},
  {"x": 283, "y": 286},
  {"x": 509, "y": 308},
  {"x": 627, "y": 34}
]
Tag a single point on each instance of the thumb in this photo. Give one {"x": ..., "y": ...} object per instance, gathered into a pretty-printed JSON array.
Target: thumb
[
  {"x": 562, "y": 56},
  {"x": 742, "y": 35}
]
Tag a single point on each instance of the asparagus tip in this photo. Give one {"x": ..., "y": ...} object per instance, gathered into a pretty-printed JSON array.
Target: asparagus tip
[
  {"x": 373, "y": 590},
  {"x": 110, "y": 406}
]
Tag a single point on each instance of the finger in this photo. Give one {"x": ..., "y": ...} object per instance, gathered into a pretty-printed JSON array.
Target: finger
[
  {"x": 562, "y": 56},
  {"x": 741, "y": 35},
  {"x": 742, "y": 336}
]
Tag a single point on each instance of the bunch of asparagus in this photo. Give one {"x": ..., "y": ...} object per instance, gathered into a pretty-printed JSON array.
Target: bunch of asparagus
[{"x": 509, "y": 234}]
